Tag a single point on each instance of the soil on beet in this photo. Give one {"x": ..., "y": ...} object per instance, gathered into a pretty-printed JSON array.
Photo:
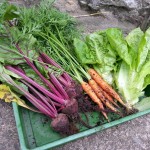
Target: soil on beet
[
  {"x": 60, "y": 123},
  {"x": 64, "y": 125},
  {"x": 71, "y": 107},
  {"x": 74, "y": 90}
]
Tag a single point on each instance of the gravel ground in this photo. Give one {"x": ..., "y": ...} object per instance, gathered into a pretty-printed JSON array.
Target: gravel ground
[
  {"x": 133, "y": 135},
  {"x": 8, "y": 131}
]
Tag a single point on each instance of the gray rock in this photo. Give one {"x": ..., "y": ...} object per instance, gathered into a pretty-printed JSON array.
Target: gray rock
[
  {"x": 133, "y": 11},
  {"x": 129, "y": 4}
]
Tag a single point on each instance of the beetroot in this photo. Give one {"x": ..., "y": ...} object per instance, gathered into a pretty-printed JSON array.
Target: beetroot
[
  {"x": 60, "y": 123},
  {"x": 74, "y": 90},
  {"x": 71, "y": 92},
  {"x": 71, "y": 107},
  {"x": 79, "y": 90}
]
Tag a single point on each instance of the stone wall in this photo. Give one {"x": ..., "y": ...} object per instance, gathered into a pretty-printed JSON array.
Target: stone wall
[{"x": 134, "y": 11}]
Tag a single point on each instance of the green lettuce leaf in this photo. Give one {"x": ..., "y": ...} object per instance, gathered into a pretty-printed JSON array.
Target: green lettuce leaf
[
  {"x": 144, "y": 50},
  {"x": 131, "y": 81},
  {"x": 83, "y": 53},
  {"x": 128, "y": 84},
  {"x": 146, "y": 81},
  {"x": 118, "y": 43},
  {"x": 144, "y": 104},
  {"x": 96, "y": 50},
  {"x": 133, "y": 40},
  {"x": 98, "y": 43}
]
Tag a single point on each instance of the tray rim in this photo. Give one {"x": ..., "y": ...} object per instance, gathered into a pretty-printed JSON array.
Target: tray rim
[{"x": 72, "y": 137}]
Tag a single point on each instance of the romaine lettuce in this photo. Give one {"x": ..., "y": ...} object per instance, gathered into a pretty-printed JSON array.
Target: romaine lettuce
[{"x": 133, "y": 74}]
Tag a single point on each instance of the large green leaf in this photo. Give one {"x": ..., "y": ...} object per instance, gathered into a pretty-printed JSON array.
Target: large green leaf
[
  {"x": 144, "y": 104},
  {"x": 83, "y": 53},
  {"x": 144, "y": 50},
  {"x": 9, "y": 54},
  {"x": 96, "y": 50},
  {"x": 99, "y": 45},
  {"x": 146, "y": 81},
  {"x": 119, "y": 44},
  {"x": 128, "y": 84},
  {"x": 132, "y": 80},
  {"x": 133, "y": 40}
]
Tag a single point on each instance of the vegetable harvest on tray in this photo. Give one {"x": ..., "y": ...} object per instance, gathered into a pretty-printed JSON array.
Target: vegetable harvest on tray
[{"x": 48, "y": 67}]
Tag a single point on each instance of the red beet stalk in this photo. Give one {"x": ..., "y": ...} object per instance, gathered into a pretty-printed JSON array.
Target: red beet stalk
[
  {"x": 42, "y": 97},
  {"x": 38, "y": 73},
  {"x": 36, "y": 102},
  {"x": 48, "y": 60},
  {"x": 56, "y": 82},
  {"x": 36, "y": 85}
]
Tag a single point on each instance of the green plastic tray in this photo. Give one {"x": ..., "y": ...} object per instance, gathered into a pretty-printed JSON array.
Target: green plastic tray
[{"x": 35, "y": 133}]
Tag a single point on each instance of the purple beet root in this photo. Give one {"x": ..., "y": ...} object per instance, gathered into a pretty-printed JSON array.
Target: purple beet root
[
  {"x": 79, "y": 90},
  {"x": 71, "y": 92},
  {"x": 74, "y": 90},
  {"x": 61, "y": 123},
  {"x": 71, "y": 107}
]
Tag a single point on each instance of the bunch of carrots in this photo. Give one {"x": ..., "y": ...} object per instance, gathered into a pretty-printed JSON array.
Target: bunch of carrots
[{"x": 101, "y": 93}]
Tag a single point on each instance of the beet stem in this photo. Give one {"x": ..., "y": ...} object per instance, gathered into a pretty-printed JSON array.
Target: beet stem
[
  {"x": 63, "y": 81},
  {"x": 43, "y": 98},
  {"x": 39, "y": 87},
  {"x": 58, "y": 85},
  {"x": 55, "y": 81},
  {"x": 48, "y": 60},
  {"x": 19, "y": 69},
  {"x": 40, "y": 75},
  {"x": 37, "y": 103}
]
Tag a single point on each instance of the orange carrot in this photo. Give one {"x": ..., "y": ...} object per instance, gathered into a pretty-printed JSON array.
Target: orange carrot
[
  {"x": 105, "y": 86},
  {"x": 86, "y": 87},
  {"x": 100, "y": 95},
  {"x": 109, "y": 98}
]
